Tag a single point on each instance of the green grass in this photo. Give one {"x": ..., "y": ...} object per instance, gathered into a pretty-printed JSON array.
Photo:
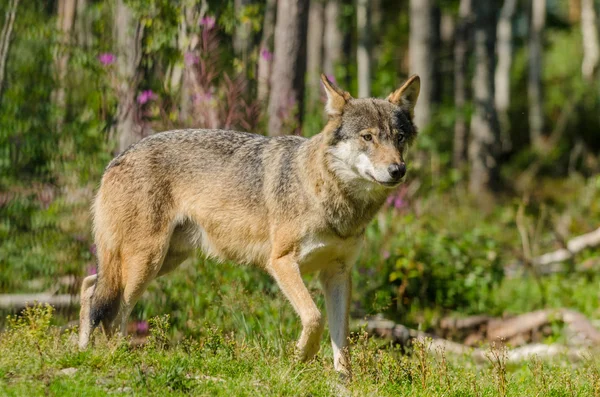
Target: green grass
[{"x": 34, "y": 353}]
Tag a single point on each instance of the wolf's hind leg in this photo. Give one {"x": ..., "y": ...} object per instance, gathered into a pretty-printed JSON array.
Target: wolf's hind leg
[
  {"x": 287, "y": 274},
  {"x": 85, "y": 322},
  {"x": 143, "y": 264}
]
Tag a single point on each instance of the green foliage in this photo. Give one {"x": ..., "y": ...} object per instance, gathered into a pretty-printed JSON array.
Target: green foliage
[
  {"x": 438, "y": 268},
  {"x": 35, "y": 358}
]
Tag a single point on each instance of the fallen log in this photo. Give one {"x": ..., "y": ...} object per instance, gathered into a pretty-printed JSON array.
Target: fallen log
[
  {"x": 551, "y": 262},
  {"x": 404, "y": 336},
  {"x": 20, "y": 301},
  {"x": 575, "y": 245},
  {"x": 582, "y": 330}
]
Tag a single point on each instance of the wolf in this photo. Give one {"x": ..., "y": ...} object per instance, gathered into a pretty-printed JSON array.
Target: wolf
[{"x": 287, "y": 204}]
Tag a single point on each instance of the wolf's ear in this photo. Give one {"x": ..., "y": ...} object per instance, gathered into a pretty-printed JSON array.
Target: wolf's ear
[
  {"x": 406, "y": 96},
  {"x": 336, "y": 97}
]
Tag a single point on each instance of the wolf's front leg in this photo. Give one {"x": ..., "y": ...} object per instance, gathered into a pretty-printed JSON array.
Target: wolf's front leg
[
  {"x": 287, "y": 274},
  {"x": 337, "y": 286}
]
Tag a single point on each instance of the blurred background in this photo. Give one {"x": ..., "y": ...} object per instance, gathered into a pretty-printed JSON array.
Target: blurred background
[{"x": 498, "y": 213}]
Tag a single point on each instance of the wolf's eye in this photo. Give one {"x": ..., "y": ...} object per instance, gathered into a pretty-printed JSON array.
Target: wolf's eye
[
  {"x": 367, "y": 137},
  {"x": 400, "y": 135}
]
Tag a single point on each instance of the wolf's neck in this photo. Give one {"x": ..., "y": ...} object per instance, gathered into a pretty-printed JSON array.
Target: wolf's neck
[{"x": 348, "y": 207}]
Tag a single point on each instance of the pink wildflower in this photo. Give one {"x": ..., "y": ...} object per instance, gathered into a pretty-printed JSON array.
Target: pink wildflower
[
  {"x": 106, "y": 58},
  {"x": 266, "y": 54},
  {"x": 208, "y": 22},
  {"x": 190, "y": 58},
  {"x": 146, "y": 96}
]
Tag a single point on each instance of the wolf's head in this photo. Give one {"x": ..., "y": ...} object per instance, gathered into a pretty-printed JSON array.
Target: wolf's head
[{"x": 368, "y": 137}]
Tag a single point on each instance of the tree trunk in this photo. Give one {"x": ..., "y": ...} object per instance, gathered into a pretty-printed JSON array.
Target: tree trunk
[
  {"x": 289, "y": 66},
  {"x": 128, "y": 35},
  {"x": 265, "y": 59},
  {"x": 65, "y": 22},
  {"x": 5, "y": 38},
  {"x": 314, "y": 61},
  {"x": 188, "y": 41},
  {"x": 83, "y": 25},
  {"x": 423, "y": 46},
  {"x": 502, "y": 77},
  {"x": 483, "y": 150},
  {"x": 461, "y": 48},
  {"x": 333, "y": 38},
  {"x": 242, "y": 37},
  {"x": 534, "y": 84},
  {"x": 363, "y": 56},
  {"x": 589, "y": 31}
]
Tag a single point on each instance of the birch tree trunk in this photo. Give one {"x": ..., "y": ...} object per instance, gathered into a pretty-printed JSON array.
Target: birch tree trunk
[
  {"x": 483, "y": 149},
  {"x": 83, "y": 25},
  {"x": 502, "y": 77},
  {"x": 286, "y": 98},
  {"x": 423, "y": 40},
  {"x": 242, "y": 37},
  {"x": 65, "y": 22},
  {"x": 333, "y": 38},
  {"x": 5, "y": 39},
  {"x": 461, "y": 48},
  {"x": 363, "y": 56},
  {"x": 534, "y": 84},
  {"x": 128, "y": 37},
  {"x": 188, "y": 41},
  {"x": 589, "y": 31},
  {"x": 314, "y": 61},
  {"x": 265, "y": 59}
]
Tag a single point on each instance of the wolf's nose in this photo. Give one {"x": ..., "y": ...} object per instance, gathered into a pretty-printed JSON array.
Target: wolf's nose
[{"x": 397, "y": 171}]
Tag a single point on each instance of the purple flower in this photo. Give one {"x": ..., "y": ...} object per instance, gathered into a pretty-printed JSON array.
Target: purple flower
[
  {"x": 93, "y": 249},
  {"x": 331, "y": 78},
  {"x": 385, "y": 254},
  {"x": 203, "y": 97},
  {"x": 399, "y": 202},
  {"x": 146, "y": 96},
  {"x": 266, "y": 54},
  {"x": 142, "y": 327},
  {"x": 190, "y": 58},
  {"x": 208, "y": 22},
  {"x": 91, "y": 270},
  {"x": 390, "y": 200},
  {"x": 106, "y": 58}
]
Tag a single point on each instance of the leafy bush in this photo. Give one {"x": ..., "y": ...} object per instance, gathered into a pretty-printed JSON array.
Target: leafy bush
[{"x": 454, "y": 271}]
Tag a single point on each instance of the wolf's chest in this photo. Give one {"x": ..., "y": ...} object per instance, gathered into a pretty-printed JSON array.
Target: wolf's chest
[{"x": 323, "y": 250}]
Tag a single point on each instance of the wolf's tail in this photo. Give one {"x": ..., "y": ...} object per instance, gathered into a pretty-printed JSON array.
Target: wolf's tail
[{"x": 106, "y": 300}]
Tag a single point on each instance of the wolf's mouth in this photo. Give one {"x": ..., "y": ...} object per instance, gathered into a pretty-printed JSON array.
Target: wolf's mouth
[{"x": 386, "y": 184}]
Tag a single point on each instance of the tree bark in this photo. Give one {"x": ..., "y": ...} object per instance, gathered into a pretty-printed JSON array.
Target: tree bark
[
  {"x": 589, "y": 31},
  {"x": 363, "y": 56},
  {"x": 188, "y": 41},
  {"x": 83, "y": 25},
  {"x": 242, "y": 38},
  {"x": 534, "y": 84},
  {"x": 314, "y": 61},
  {"x": 265, "y": 59},
  {"x": 423, "y": 46},
  {"x": 461, "y": 48},
  {"x": 483, "y": 149},
  {"x": 128, "y": 35},
  {"x": 333, "y": 37},
  {"x": 5, "y": 38},
  {"x": 286, "y": 98},
  {"x": 502, "y": 77},
  {"x": 65, "y": 22}
]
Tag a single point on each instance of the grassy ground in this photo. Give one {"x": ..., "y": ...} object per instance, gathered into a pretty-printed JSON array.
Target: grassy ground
[
  {"x": 231, "y": 332},
  {"x": 37, "y": 359}
]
